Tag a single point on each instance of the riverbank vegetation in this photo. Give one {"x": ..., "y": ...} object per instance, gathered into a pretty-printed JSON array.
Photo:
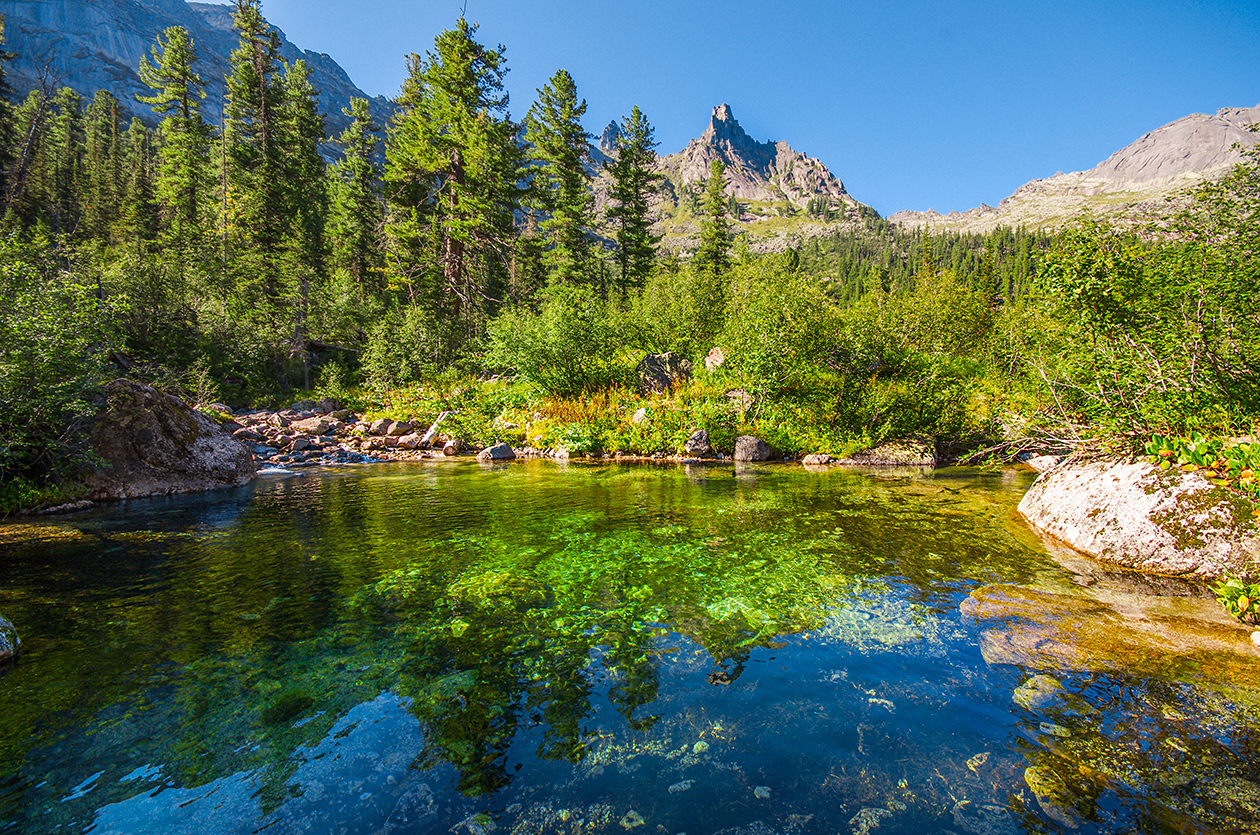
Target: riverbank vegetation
[{"x": 458, "y": 260}]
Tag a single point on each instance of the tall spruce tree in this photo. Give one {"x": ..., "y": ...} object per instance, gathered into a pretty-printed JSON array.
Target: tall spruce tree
[
  {"x": 560, "y": 192},
  {"x": 63, "y": 158},
  {"x": 451, "y": 174},
  {"x": 139, "y": 200},
  {"x": 356, "y": 212},
  {"x": 714, "y": 254},
  {"x": 635, "y": 183},
  {"x": 184, "y": 184},
  {"x": 256, "y": 198}
]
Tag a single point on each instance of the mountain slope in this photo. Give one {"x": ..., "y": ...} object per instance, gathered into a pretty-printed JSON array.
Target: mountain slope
[
  {"x": 92, "y": 45},
  {"x": 1132, "y": 183}
]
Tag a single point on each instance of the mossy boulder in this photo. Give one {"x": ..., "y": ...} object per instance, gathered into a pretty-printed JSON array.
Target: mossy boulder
[
  {"x": 902, "y": 452},
  {"x": 1135, "y": 515},
  {"x": 156, "y": 444},
  {"x": 10, "y": 644}
]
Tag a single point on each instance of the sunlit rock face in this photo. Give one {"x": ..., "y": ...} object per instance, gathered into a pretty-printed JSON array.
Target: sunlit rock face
[
  {"x": 1136, "y": 516},
  {"x": 97, "y": 45}
]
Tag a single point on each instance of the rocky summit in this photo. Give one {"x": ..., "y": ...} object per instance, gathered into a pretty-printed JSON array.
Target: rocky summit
[
  {"x": 91, "y": 45},
  {"x": 758, "y": 171},
  {"x": 1132, "y": 183}
]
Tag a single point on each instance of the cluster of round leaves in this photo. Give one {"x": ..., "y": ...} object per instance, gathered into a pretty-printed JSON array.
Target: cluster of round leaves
[
  {"x": 1240, "y": 599},
  {"x": 1222, "y": 463}
]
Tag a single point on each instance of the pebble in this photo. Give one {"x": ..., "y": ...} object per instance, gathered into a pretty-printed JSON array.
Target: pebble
[
  {"x": 762, "y": 792},
  {"x": 679, "y": 788},
  {"x": 700, "y": 747},
  {"x": 631, "y": 819}
]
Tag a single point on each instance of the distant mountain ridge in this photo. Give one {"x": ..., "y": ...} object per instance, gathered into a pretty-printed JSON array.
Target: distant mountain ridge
[
  {"x": 91, "y": 45},
  {"x": 1133, "y": 183}
]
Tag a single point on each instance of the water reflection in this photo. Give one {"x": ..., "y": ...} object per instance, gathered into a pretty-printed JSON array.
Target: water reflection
[{"x": 536, "y": 648}]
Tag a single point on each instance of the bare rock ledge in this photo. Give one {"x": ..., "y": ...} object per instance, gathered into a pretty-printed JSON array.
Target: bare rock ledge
[{"x": 1136, "y": 516}]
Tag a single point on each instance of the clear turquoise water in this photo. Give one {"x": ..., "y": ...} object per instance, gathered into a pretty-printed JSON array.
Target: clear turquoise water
[{"x": 541, "y": 648}]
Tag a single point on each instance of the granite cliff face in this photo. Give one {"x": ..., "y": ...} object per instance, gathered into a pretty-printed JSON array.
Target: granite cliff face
[
  {"x": 1132, "y": 183},
  {"x": 760, "y": 171},
  {"x": 92, "y": 45}
]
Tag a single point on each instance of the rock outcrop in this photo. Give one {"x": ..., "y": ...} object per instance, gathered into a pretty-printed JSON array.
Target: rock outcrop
[
  {"x": 156, "y": 444},
  {"x": 1138, "y": 516},
  {"x": 10, "y": 644},
  {"x": 1133, "y": 182},
  {"x": 903, "y": 452},
  {"x": 498, "y": 452},
  {"x": 659, "y": 373},
  {"x": 91, "y": 45}
]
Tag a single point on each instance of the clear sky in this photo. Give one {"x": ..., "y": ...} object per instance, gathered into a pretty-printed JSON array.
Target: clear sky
[{"x": 913, "y": 104}]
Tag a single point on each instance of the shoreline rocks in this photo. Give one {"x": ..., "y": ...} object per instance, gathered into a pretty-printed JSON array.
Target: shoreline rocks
[{"x": 1134, "y": 515}]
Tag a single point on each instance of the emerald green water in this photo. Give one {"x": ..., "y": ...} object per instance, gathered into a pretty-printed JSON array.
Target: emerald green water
[{"x": 540, "y": 648}]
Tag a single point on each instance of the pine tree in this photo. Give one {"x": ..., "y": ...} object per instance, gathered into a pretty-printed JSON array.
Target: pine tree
[
  {"x": 714, "y": 254},
  {"x": 452, "y": 167},
  {"x": 139, "y": 214},
  {"x": 560, "y": 192},
  {"x": 256, "y": 189},
  {"x": 184, "y": 184},
  {"x": 24, "y": 199},
  {"x": 63, "y": 171},
  {"x": 635, "y": 183},
  {"x": 357, "y": 213}
]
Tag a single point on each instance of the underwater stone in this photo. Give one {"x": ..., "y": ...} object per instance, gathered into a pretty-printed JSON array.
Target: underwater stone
[
  {"x": 1037, "y": 692},
  {"x": 10, "y": 644},
  {"x": 1053, "y": 795},
  {"x": 868, "y": 819},
  {"x": 762, "y": 792},
  {"x": 679, "y": 788},
  {"x": 700, "y": 747},
  {"x": 631, "y": 820}
]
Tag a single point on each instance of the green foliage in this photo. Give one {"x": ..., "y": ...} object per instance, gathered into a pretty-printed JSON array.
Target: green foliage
[
  {"x": 1240, "y": 599},
  {"x": 405, "y": 345},
  {"x": 681, "y": 308},
  {"x": 53, "y": 336},
  {"x": 1223, "y": 463},
  {"x": 714, "y": 254},
  {"x": 572, "y": 344}
]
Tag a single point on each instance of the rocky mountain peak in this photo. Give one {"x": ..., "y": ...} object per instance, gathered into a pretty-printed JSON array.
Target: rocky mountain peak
[
  {"x": 608, "y": 141},
  {"x": 762, "y": 171}
]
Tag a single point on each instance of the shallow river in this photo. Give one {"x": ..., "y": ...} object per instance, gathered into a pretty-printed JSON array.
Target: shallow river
[{"x": 540, "y": 648}]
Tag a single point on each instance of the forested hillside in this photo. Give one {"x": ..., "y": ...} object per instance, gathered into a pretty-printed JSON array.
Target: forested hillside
[{"x": 454, "y": 259}]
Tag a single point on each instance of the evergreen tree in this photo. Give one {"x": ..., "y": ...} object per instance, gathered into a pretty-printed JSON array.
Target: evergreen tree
[
  {"x": 357, "y": 213},
  {"x": 714, "y": 254},
  {"x": 102, "y": 167},
  {"x": 184, "y": 183},
  {"x": 63, "y": 163},
  {"x": 635, "y": 183},
  {"x": 139, "y": 212},
  {"x": 560, "y": 193},
  {"x": 452, "y": 167},
  {"x": 256, "y": 188},
  {"x": 24, "y": 199}
]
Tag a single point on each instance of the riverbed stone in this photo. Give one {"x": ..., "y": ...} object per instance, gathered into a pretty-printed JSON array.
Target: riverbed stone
[
  {"x": 10, "y": 644},
  {"x": 751, "y": 448},
  {"x": 311, "y": 426},
  {"x": 412, "y": 441},
  {"x": 156, "y": 444},
  {"x": 820, "y": 459},
  {"x": 1036, "y": 693},
  {"x": 1132, "y": 514},
  {"x": 659, "y": 373},
  {"x": 498, "y": 452}
]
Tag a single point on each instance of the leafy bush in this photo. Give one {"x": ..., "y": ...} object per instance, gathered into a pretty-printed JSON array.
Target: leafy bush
[
  {"x": 1240, "y": 599},
  {"x": 405, "y": 345},
  {"x": 572, "y": 344}
]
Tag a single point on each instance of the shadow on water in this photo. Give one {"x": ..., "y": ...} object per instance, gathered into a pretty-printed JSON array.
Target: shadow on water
[{"x": 542, "y": 648}]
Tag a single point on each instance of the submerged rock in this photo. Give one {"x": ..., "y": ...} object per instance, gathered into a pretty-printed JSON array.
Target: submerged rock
[
  {"x": 157, "y": 444},
  {"x": 1036, "y": 693},
  {"x": 10, "y": 644},
  {"x": 1138, "y": 516},
  {"x": 631, "y": 819},
  {"x": 1101, "y": 629}
]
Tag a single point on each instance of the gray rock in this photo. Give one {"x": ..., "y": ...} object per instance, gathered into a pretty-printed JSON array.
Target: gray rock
[
  {"x": 412, "y": 441},
  {"x": 304, "y": 406},
  {"x": 1042, "y": 463},
  {"x": 156, "y": 445},
  {"x": 498, "y": 452},
  {"x": 741, "y": 400},
  {"x": 659, "y": 373},
  {"x": 1137, "y": 516},
  {"x": 10, "y": 644},
  {"x": 820, "y": 459},
  {"x": 380, "y": 426},
  {"x": 698, "y": 444},
  {"x": 400, "y": 428},
  {"x": 247, "y": 435},
  {"x": 903, "y": 452},
  {"x": 311, "y": 426},
  {"x": 750, "y": 448}
]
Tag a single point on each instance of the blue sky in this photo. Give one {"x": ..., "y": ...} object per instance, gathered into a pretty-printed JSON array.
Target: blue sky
[{"x": 912, "y": 104}]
